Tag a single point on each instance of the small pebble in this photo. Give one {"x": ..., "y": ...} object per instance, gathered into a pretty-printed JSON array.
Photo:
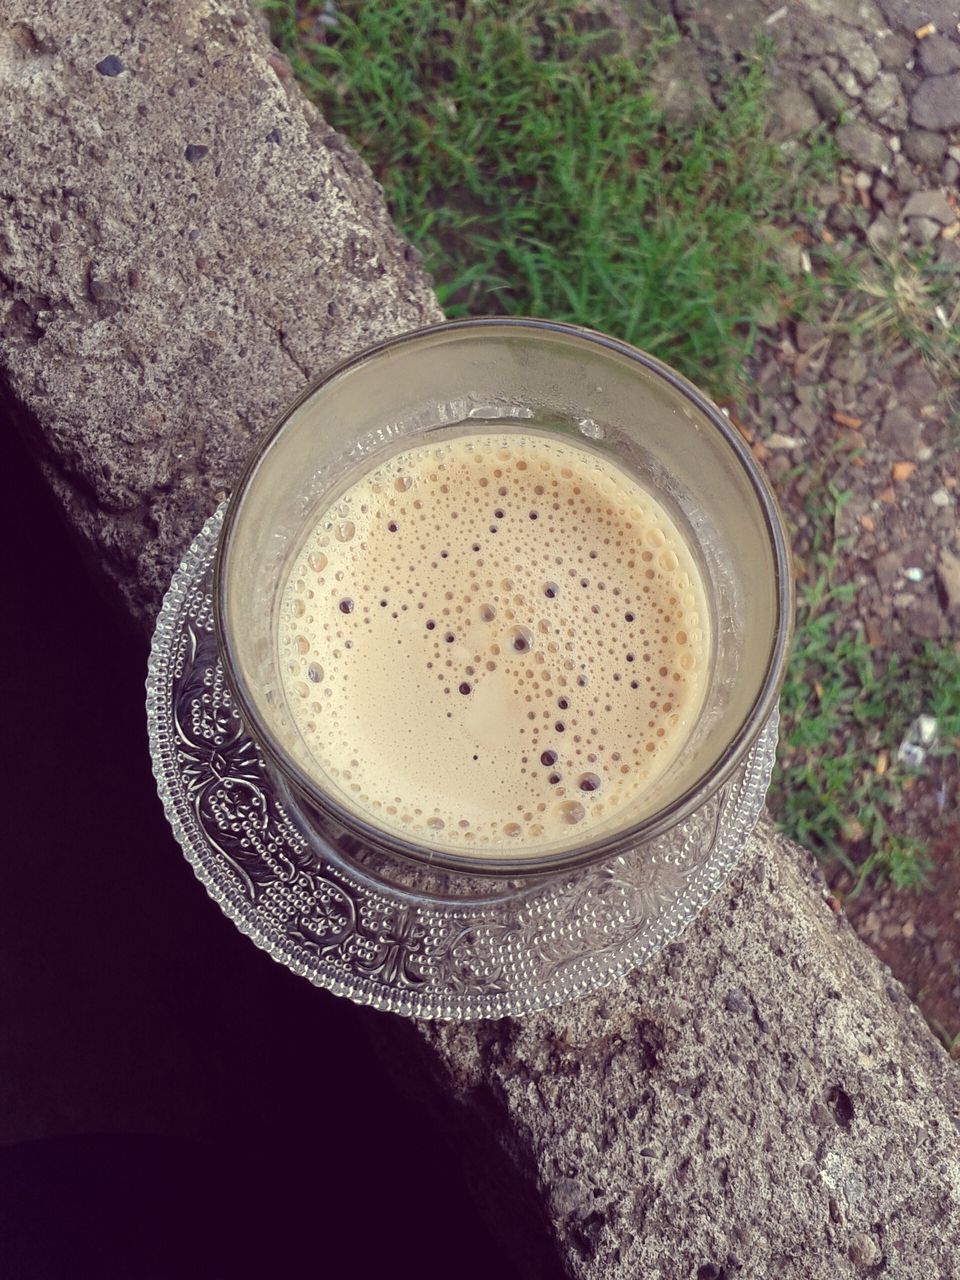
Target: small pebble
[
  {"x": 864, "y": 1250},
  {"x": 940, "y": 498},
  {"x": 110, "y": 66},
  {"x": 923, "y": 230},
  {"x": 926, "y": 727},
  {"x": 882, "y": 190}
]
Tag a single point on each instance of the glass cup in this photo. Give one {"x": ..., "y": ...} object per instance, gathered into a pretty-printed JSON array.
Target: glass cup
[{"x": 511, "y": 374}]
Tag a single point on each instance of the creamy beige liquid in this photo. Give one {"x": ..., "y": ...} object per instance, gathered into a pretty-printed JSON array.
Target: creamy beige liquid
[{"x": 489, "y": 641}]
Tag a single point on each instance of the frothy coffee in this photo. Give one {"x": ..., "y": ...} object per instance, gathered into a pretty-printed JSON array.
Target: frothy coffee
[{"x": 489, "y": 641}]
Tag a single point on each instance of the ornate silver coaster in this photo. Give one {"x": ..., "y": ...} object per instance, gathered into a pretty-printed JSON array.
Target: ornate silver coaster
[{"x": 443, "y": 948}]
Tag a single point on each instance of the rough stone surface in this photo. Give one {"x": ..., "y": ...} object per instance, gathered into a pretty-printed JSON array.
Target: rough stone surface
[
  {"x": 861, "y": 12},
  {"x": 681, "y": 84},
  {"x": 925, "y": 147},
  {"x": 184, "y": 243},
  {"x": 905, "y": 179},
  {"x": 793, "y": 114},
  {"x": 938, "y": 55},
  {"x": 900, "y": 430},
  {"x": 930, "y": 204},
  {"x": 909, "y": 15},
  {"x": 882, "y": 95},
  {"x": 923, "y": 230},
  {"x": 855, "y": 51},
  {"x": 864, "y": 1250},
  {"x": 936, "y": 103},
  {"x": 893, "y": 50},
  {"x": 727, "y": 27},
  {"x": 829, "y": 101},
  {"x": 761, "y": 1100},
  {"x": 882, "y": 232},
  {"x": 863, "y": 145}
]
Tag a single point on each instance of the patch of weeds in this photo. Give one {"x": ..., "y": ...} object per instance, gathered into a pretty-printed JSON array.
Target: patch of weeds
[
  {"x": 535, "y": 172},
  {"x": 839, "y": 788},
  {"x": 895, "y": 297}
]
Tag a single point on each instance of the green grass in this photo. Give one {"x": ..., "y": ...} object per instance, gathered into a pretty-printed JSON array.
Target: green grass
[
  {"x": 839, "y": 788},
  {"x": 537, "y": 178}
]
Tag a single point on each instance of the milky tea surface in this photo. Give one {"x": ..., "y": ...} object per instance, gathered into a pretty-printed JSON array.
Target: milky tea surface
[{"x": 491, "y": 640}]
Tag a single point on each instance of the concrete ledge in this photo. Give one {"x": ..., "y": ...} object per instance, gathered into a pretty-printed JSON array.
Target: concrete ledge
[
  {"x": 184, "y": 242},
  {"x": 763, "y": 1100}
]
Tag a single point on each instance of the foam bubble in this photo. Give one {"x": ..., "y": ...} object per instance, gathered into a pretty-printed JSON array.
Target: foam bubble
[{"x": 489, "y": 641}]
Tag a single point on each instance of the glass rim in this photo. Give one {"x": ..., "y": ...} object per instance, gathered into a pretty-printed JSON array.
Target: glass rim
[{"x": 654, "y": 824}]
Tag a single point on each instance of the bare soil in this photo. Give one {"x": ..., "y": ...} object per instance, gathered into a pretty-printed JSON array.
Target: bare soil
[{"x": 877, "y": 423}]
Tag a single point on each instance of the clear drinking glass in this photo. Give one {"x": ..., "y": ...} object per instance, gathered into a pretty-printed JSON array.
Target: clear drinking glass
[{"x": 512, "y": 374}]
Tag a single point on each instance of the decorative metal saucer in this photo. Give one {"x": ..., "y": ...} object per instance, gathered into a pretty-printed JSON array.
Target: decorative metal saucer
[{"x": 437, "y": 947}]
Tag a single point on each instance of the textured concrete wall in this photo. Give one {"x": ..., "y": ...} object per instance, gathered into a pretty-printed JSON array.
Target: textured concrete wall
[
  {"x": 183, "y": 243},
  {"x": 762, "y": 1101}
]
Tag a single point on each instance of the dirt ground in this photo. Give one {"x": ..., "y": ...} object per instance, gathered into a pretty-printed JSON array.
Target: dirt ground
[
  {"x": 855, "y": 418},
  {"x": 865, "y": 397},
  {"x": 918, "y": 935}
]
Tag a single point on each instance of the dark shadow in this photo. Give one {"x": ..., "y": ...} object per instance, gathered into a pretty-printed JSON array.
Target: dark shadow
[{"x": 130, "y": 1005}]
